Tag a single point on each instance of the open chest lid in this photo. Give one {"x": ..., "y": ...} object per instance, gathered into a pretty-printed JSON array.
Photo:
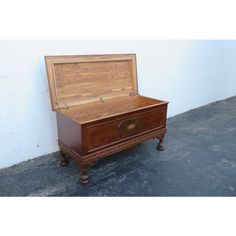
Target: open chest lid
[{"x": 75, "y": 80}]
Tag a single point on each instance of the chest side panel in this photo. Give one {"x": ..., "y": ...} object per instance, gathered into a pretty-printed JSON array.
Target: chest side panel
[{"x": 69, "y": 132}]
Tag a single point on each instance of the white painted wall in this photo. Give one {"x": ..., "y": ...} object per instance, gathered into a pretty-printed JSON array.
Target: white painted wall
[{"x": 186, "y": 73}]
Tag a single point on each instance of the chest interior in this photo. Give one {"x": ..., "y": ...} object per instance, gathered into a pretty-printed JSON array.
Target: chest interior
[
  {"x": 112, "y": 107},
  {"x": 88, "y": 88}
]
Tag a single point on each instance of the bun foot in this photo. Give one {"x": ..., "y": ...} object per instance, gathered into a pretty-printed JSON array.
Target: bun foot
[
  {"x": 84, "y": 178},
  {"x": 63, "y": 163},
  {"x": 160, "y": 146}
]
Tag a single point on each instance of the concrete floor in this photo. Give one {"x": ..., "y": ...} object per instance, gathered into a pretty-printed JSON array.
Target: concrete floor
[{"x": 199, "y": 160}]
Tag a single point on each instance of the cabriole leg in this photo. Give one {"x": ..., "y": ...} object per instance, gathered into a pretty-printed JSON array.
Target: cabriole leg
[
  {"x": 63, "y": 161},
  {"x": 84, "y": 178}
]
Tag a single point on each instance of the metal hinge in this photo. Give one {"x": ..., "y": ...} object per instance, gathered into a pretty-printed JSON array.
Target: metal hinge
[
  {"x": 133, "y": 93},
  {"x": 62, "y": 106},
  {"x": 102, "y": 99}
]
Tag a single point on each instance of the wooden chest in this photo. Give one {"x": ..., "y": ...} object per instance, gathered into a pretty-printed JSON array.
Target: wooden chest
[{"x": 98, "y": 107}]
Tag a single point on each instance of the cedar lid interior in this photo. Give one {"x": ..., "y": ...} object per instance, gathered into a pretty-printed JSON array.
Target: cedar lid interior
[
  {"x": 75, "y": 80},
  {"x": 98, "y": 110}
]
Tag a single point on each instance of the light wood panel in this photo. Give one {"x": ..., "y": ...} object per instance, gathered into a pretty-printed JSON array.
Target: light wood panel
[
  {"x": 76, "y": 80},
  {"x": 99, "y": 110}
]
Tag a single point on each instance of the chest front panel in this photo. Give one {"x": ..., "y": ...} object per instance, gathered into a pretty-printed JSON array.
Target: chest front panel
[{"x": 118, "y": 129}]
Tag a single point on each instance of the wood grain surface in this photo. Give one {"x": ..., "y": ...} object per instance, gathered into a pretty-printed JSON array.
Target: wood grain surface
[
  {"x": 99, "y": 109},
  {"x": 82, "y": 79}
]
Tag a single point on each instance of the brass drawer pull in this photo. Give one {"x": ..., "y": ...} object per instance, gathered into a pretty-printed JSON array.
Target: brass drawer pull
[{"x": 131, "y": 126}]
